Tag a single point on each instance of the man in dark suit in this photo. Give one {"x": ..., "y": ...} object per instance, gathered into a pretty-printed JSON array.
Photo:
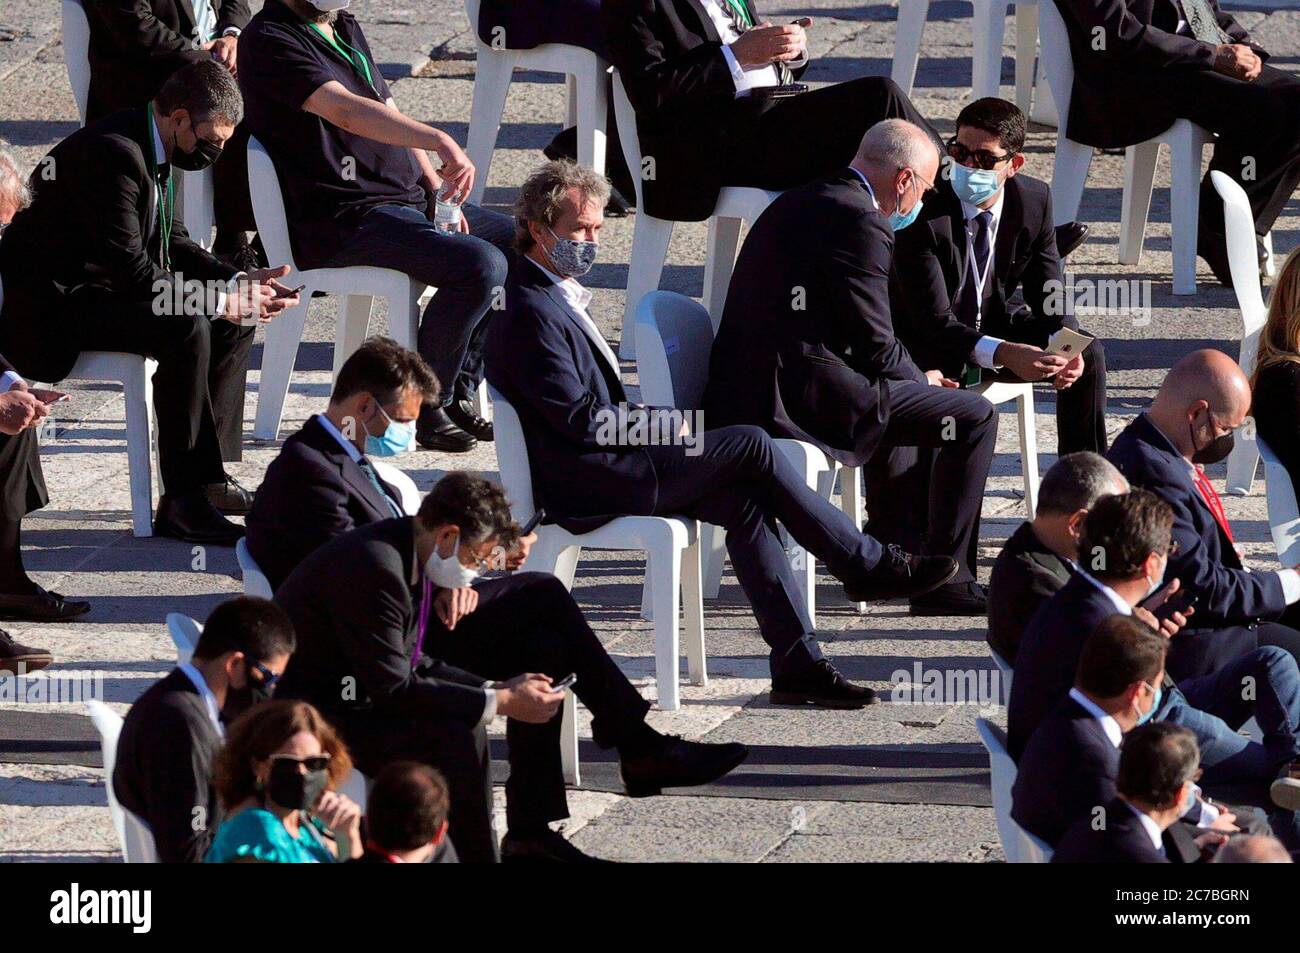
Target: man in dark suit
[
  {"x": 1187, "y": 59},
  {"x": 411, "y": 662},
  {"x": 546, "y": 356},
  {"x": 99, "y": 262},
  {"x": 1189, "y": 425},
  {"x": 135, "y": 45},
  {"x": 700, "y": 75},
  {"x": 171, "y": 735},
  {"x": 1035, "y": 561},
  {"x": 806, "y": 348},
  {"x": 1154, "y": 783},
  {"x": 323, "y": 484}
]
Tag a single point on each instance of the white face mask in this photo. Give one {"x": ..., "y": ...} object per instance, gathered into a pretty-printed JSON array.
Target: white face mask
[
  {"x": 447, "y": 572},
  {"x": 1155, "y": 584}
]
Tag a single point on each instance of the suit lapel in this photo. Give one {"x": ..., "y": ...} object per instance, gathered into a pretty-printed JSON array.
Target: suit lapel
[
  {"x": 706, "y": 22},
  {"x": 1008, "y": 229},
  {"x": 612, "y": 372},
  {"x": 186, "y": 9},
  {"x": 349, "y": 469}
]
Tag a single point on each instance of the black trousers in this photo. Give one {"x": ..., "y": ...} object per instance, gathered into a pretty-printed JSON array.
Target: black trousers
[
  {"x": 787, "y": 142},
  {"x": 924, "y": 484},
  {"x": 198, "y": 388},
  {"x": 740, "y": 481},
  {"x": 22, "y": 490}
]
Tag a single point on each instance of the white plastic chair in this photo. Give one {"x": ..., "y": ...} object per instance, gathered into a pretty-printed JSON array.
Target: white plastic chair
[
  {"x": 650, "y": 235},
  {"x": 671, "y": 545},
  {"x": 1020, "y": 846},
  {"x": 255, "y": 581},
  {"x": 1004, "y": 667},
  {"x": 494, "y": 67},
  {"x": 1070, "y": 172},
  {"x": 132, "y": 833},
  {"x": 408, "y": 493},
  {"x": 1239, "y": 227},
  {"x": 1003, "y": 392},
  {"x": 1283, "y": 511},
  {"x": 185, "y": 634},
  {"x": 361, "y": 284}
]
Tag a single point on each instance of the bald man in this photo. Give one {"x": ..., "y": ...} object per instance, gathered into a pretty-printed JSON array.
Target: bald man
[
  {"x": 1188, "y": 426},
  {"x": 1252, "y": 849}
]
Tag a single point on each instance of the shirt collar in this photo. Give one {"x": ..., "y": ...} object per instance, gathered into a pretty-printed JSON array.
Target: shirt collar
[
  {"x": 970, "y": 211},
  {"x": 344, "y": 442},
  {"x": 1151, "y": 827},
  {"x": 1108, "y": 724},
  {"x": 870, "y": 190},
  {"x": 159, "y": 154},
  {"x": 1121, "y": 606},
  {"x": 574, "y": 293},
  {"x": 209, "y": 699}
]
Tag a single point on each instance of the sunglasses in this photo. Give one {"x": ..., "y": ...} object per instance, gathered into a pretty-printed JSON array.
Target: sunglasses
[
  {"x": 269, "y": 678},
  {"x": 980, "y": 158},
  {"x": 316, "y": 762}
]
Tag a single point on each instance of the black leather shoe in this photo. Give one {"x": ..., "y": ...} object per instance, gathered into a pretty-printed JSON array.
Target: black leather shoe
[
  {"x": 546, "y": 848},
  {"x": 899, "y": 575},
  {"x": 230, "y": 497},
  {"x": 461, "y": 413},
  {"x": 42, "y": 606},
  {"x": 958, "y": 598},
  {"x": 1069, "y": 237},
  {"x": 679, "y": 764},
  {"x": 194, "y": 519},
  {"x": 15, "y": 654},
  {"x": 437, "y": 431},
  {"x": 822, "y": 685}
]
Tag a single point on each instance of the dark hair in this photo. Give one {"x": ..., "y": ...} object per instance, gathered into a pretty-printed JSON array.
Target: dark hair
[
  {"x": 478, "y": 508},
  {"x": 1121, "y": 650},
  {"x": 206, "y": 90},
  {"x": 386, "y": 370},
  {"x": 1120, "y": 532},
  {"x": 1155, "y": 760},
  {"x": 407, "y": 806},
  {"x": 257, "y": 627},
  {"x": 998, "y": 118},
  {"x": 263, "y": 730},
  {"x": 1076, "y": 482}
]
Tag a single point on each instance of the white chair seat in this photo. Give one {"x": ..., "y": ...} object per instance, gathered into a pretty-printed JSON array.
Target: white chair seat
[{"x": 133, "y": 834}]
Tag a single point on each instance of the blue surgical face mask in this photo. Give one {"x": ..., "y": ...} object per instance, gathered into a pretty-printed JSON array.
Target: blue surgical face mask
[
  {"x": 974, "y": 186},
  {"x": 395, "y": 439},
  {"x": 571, "y": 258},
  {"x": 898, "y": 220},
  {"x": 1144, "y": 717}
]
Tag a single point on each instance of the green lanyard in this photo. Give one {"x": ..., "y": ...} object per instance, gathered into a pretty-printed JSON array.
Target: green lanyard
[
  {"x": 356, "y": 59},
  {"x": 166, "y": 204},
  {"x": 741, "y": 7}
]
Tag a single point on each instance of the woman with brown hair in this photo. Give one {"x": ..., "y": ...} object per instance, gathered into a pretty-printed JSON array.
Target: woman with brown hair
[
  {"x": 277, "y": 778},
  {"x": 1276, "y": 381}
]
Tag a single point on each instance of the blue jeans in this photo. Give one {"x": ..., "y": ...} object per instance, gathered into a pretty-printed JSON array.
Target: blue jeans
[{"x": 466, "y": 270}]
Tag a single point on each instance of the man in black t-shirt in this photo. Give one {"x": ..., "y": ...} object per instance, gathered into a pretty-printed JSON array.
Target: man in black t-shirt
[{"x": 359, "y": 189}]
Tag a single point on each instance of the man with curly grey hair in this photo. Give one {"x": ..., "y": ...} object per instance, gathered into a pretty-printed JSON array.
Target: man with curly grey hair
[{"x": 14, "y": 193}]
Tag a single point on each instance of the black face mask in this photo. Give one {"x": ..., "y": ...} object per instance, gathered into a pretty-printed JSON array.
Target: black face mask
[
  {"x": 197, "y": 159},
  {"x": 295, "y": 790},
  {"x": 1214, "y": 451}
]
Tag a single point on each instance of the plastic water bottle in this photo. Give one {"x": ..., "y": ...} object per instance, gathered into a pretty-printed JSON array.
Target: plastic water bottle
[{"x": 446, "y": 213}]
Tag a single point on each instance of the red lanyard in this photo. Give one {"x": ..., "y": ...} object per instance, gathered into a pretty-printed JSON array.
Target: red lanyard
[{"x": 1213, "y": 502}]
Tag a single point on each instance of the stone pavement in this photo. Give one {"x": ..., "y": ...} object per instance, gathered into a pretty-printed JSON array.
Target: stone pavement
[{"x": 81, "y": 543}]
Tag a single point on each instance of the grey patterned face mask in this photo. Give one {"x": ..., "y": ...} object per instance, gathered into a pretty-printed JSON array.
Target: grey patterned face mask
[{"x": 571, "y": 258}]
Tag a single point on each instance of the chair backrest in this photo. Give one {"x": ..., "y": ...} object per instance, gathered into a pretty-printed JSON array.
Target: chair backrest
[
  {"x": 185, "y": 634},
  {"x": 1004, "y": 668},
  {"x": 1033, "y": 850},
  {"x": 471, "y": 12},
  {"x": 76, "y": 53},
  {"x": 403, "y": 484},
  {"x": 512, "y": 457},
  {"x": 1057, "y": 60},
  {"x": 255, "y": 581},
  {"x": 1283, "y": 510},
  {"x": 136, "y": 839},
  {"x": 1243, "y": 262},
  {"x": 625, "y": 117},
  {"x": 1002, "y": 770},
  {"x": 268, "y": 205},
  {"x": 674, "y": 336}
]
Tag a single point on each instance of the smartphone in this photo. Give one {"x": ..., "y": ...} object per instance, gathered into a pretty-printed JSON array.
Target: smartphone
[
  {"x": 533, "y": 523},
  {"x": 779, "y": 92},
  {"x": 804, "y": 22},
  {"x": 564, "y": 683},
  {"x": 293, "y": 291},
  {"x": 61, "y": 398},
  {"x": 1180, "y": 601}
]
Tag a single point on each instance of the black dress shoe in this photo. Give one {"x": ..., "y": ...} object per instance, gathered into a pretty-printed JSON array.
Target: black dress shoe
[
  {"x": 678, "y": 764},
  {"x": 230, "y": 496},
  {"x": 900, "y": 574},
  {"x": 15, "y": 654},
  {"x": 546, "y": 848},
  {"x": 461, "y": 413},
  {"x": 822, "y": 685},
  {"x": 958, "y": 598},
  {"x": 1069, "y": 237},
  {"x": 437, "y": 431},
  {"x": 194, "y": 519},
  {"x": 42, "y": 606}
]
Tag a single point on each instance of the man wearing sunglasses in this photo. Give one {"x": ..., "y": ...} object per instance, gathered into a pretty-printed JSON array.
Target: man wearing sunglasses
[{"x": 171, "y": 735}]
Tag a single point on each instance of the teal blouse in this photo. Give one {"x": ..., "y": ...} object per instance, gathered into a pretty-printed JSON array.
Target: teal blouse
[{"x": 257, "y": 834}]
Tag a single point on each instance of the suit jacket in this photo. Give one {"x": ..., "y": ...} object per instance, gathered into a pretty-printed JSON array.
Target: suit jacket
[
  {"x": 165, "y": 758},
  {"x": 90, "y": 240},
  {"x": 1106, "y": 106},
  {"x": 312, "y": 492},
  {"x": 539, "y": 356},
  {"x": 135, "y": 45},
  {"x": 1206, "y": 562},
  {"x": 1122, "y": 840},
  {"x": 356, "y": 612},
  {"x": 1025, "y": 575},
  {"x": 806, "y": 338},
  {"x": 930, "y": 270},
  {"x": 669, "y": 56}
]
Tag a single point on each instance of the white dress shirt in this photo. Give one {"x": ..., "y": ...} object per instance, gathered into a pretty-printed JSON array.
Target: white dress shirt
[
  {"x": 1108, "y": 724},
  {"x": 209, "y": 699},
  {"x": 745, "y": 79},
  {"x": 205, "y": 22},
  {"x": 348, "y": 446},
  {"x": 1121, "y": 605},
  {"x": 578, "y": 300},
  {"x": 986, "y": 346}
]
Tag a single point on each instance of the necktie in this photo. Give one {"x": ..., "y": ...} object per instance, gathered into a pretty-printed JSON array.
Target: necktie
[
  {"x": 742, "y": 18},
  {"x": 1213, "y": 502},
  {"x": 1200, "y": 17},
  {"x": 369, "y": 471},
  {"x": 165, "y": 200},
  {"x": 969, "y": 305}
]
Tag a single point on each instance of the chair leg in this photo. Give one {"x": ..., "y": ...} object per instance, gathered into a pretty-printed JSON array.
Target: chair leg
[
  {"x": 283, "y": 335},
  {"x": 647, "y": 591},
  {"x": 482, "y": 405},
  {"x": 724, "y": 240},
  {"x": 650, "y": 238},
  {"x": 988, "y": 22},
  {"x": 571, "y": 109},
  {"x": 851, "y": 502},
  {"x": 693, "y": 615},
  {"x": 907, "y": 42},
  {"x": 492, "y": 73},
  {"x": 713, "y": 554},
  {"x": 137, "y": 394},
  {"x": 593, "y": 111},
  {"x": 1028, "y": 450},
  {"x": 1242, "y": 464},
  {"x": 1139, "y": 174},
  {"x": 667, "y": 567},
  {"x": 1044, "y": 111},
  {"x": 404, "y": 316},
  {"x": 1184, "y": 207},
  {"x": 351, "y": 326},
  {"x": 1270, "y": 265},
  {"x": 1069, "y": 176},
  {"x": 1026, "y": 48},
  {"x": 569, "y": 740}
]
